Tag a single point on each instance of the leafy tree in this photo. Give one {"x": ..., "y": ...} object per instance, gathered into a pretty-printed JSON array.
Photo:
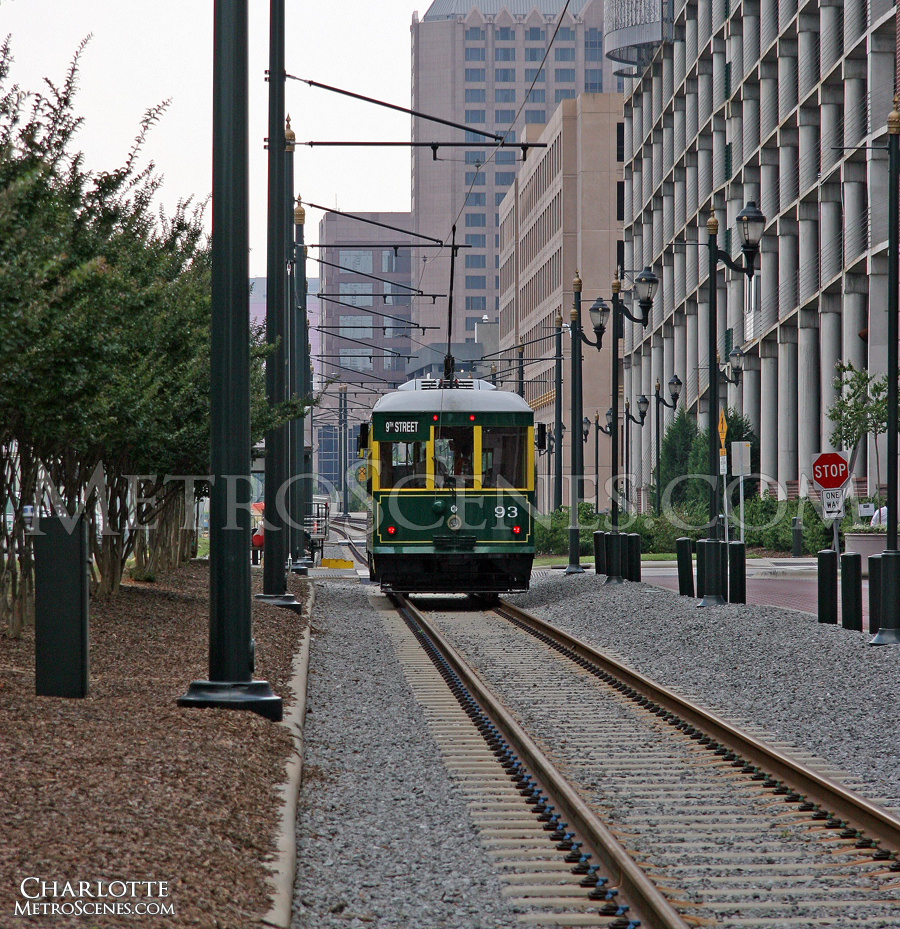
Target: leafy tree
[
  {"x": 739, "y": 430},
  {"x": 674, "y": 453},
  {"x": 860, "y": 409}
]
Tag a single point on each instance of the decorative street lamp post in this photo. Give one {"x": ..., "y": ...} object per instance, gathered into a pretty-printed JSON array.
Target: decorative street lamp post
[
  {"x": 645, "y": 285},
  {"x": 643, "y": 406},
  {"x": 557, "y": 413},
  {"x": 675, "y": 393},
  {"x": 750, "y": 223},
  {"x": 577, "y": 469}
]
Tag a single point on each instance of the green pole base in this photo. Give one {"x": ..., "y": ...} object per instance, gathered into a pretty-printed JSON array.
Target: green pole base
[
  {"x": 889, "y": 633},
  {"x": 574, "y": 543},
  {"x": 255, "y": 696}
]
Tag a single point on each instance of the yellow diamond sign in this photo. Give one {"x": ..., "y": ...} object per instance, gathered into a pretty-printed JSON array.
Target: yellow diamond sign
[{"x": 723, "y": 427}]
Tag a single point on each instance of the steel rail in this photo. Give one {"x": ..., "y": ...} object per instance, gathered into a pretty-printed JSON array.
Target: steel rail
[
  {"x": 645, "y": 900},
  {"x": 857, "y": 811}
]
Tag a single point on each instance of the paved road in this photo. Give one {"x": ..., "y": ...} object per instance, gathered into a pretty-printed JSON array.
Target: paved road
[{"x": 786, "y": 583}]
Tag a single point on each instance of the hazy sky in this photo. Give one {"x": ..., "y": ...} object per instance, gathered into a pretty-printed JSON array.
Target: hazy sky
[{"x": 143, "y": 53}]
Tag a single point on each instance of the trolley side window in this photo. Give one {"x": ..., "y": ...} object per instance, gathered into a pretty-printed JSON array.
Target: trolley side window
[
  {"x": 454, "y": 455},
  {"x": 403, "y": 465},
  {"x": 503, "y": 456}
]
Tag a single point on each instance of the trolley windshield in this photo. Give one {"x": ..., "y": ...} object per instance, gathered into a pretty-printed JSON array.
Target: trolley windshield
[{"x": 503, "y": 456}]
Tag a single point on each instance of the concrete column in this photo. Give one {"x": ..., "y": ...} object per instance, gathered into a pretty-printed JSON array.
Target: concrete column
[
  {"x": 768, "y": 23},
  {"x": 787, "y": 267},
  {"x": 808, "y": 147},
  {"x": 690, "y": 353},
  {"x": 679, "y": 356},
  {"x": 788, "y": 169},
  {"x": 750, "y": 40},
  {"x": 855, "y": 213},
  {"x": 829, "y": 355},
  {"x": 768, "y": 409},
  {"x": 668, "y": 287},
  {"x": 854, "y": 100},
  {"x": 750, "y": 389},
  {"x": 808, "y": 241},
  {"x": 808, "y": 372},
  {"x": 668, "y": 368},
  {"x": 830, "y": 34},
  {"x": 678, "y": 60},
  {"x": 768, "y": 98},
  {"x": 679, "y": 278},
  {"x": 807, "y": 40},
  {"x": 637, "y": 189},
  {"x": 702, "y": 351},
  {"x": 769, "y": 184},
  {"x": 690, "y": 183},
  {"x": 787, "y": 405},
  {"x": 768, "y": 284},
  {"x": 679, "y": 139},
  {"x": 690, "y": 108},
  {"x": 787, "y": 76},
  {"x": 831, "y": 109},
  {"x": 750, "y": 121},
  {"x": 830, "y": 232}
]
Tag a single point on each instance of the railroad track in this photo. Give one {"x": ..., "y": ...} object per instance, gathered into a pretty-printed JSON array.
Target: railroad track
[
  {"x": 608, "y": 800},
  {"x": 358, "y": 553}
]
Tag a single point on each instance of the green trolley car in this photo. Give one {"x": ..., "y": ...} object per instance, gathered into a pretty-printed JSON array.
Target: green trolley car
[{"x": 451, "y": 489}]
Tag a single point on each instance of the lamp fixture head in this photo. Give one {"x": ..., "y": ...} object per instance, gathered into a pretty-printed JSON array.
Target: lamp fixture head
[
  {"x": 609, "y": 418},
  {"x": 750, "y": 223},
  {"x": 735, "y": 358},
  {"x": 643, "y": 406},
  {"x": 675, "y": 388},
  {"x": 599, "y": 313},
  {"x": 646, "y": 284},
  {"x": 585, "y": 428}
]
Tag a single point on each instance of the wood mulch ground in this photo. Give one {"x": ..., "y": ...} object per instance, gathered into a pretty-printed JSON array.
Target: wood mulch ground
[{"x": 126, "y": 786}]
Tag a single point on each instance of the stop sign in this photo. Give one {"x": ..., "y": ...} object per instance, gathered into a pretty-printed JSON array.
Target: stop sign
[{"x": 830, "y": 470}]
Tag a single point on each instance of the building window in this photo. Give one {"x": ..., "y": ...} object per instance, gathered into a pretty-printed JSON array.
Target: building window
[
  {"x": 620, "y": 84},
  {"x": 474, "y": 116},
  {"x": 395, "y": 294},
  {"x": 476, "y": 137},
  {"x": 356, "y": 327},
  {"x": 593, "y": 81},
  {"x": 505, "y": 53},
  {"x": 475, "y": 95},
  {"x": 620, "y": 201},
  {"x": 535, "y": 116},
  {"x": 535, "y": 34},
  {"x": 532, "y": 75},
  {"x": 475, "y": 261},
  {"x": 563, "y": 54},
  {"x": 476, "y": 304},
  {"x": 355, "y": 260},
  {"x": 564, "y": 76},
  {"x": 537, "y": 96},
  {"x": 504, "y": 116},
  {"x": 475, "y": 220},
  {"x": 498, "y": 199},
  {"x": 534, "y": 54},
  {"x": 620, "y": 142},
  {"x": 475, "y": 178},
  {"x": 504, "y": 178},
  {"x": 566, "y": 34},
  {"x": 620, "y": 253},
  {"x": 505, "y": 158},
  {"x": 593, "y": 45},
  {"x": 565, "y": 95},
  {"x": 356, "y": 294},
  {"x": 357, "y": 359},
  {"x": 473, "y": 199},
  {"x": 471, "y": 322},
  {"x": 475, "y": 282},
  {"x": 505, "y": 95},
  {"x": 504, "y": 34},
  {"x": 474, "y": 158},
  {"x": 395, "y": 262},
  {"x": 475, "y": 241},
  {"x": 474, "y": 54},
  {"x": 505, "y": 75},
  {"x": 475, "y": 34},
  {"x": 475, "y": 75}
]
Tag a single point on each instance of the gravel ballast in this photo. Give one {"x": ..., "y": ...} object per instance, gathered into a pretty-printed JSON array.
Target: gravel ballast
[
  {"x": 818, "y": 687},
  {"x": 383, "y": 834}
]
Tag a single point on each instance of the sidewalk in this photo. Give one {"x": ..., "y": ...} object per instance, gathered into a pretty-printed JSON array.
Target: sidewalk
[{"x": 789, "y": 583}]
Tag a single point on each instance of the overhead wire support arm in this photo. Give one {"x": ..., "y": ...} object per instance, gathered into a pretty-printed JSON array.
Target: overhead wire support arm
[
  {"x": 347, "y": 338},
  {"x": 374, "y": 277},
  {"x": 434, "y": 146},
  {"x": 332, "y": 298}
]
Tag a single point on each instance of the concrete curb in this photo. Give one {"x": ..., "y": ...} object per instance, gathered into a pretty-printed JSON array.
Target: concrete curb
[{"x": 284, "y": 868}]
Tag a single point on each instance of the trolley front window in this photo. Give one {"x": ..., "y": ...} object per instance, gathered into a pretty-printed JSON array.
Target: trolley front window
[
  {"x": 503, "y": 456},
  {"x": 403, "y": 465},
  {"x": 453, "y": 456}
]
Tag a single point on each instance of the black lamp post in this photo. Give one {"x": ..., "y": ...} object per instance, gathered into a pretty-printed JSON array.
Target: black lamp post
[
  {"x": 606, "y": 430},
  {"x": 645, "y": 286},
  {"x": 675, "y": 393},
  {"x": 643, "y": 406},
  {"x": 889, "y": 632},
  {"x": 750, "y": 223},
  {"x": 557, "y": 418}
]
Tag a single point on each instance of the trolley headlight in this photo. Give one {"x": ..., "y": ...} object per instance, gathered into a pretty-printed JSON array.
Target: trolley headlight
[{"x": 454, "y": 523}]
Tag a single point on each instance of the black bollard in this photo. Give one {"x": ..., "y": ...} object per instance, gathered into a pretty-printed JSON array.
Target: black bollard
[
  {"x": 874, "y": 593},
  {"x": 634, "y": 556},
  {"x": 701, "y": 567},
  {"x": 851, "y": 591},
  {"x": 712, "y": 556},
  {"x": 796, "y": 537},
  {"x": 600, "y": 552},
  {"x": 737, "y": 572},
  {"x": 614, "y": 558},
  {"x": 828, "y": 586},
  {"x": 889, "y": 626},
  {"x": 723, "y": 570},
  {"x": 685, "y": 567}
]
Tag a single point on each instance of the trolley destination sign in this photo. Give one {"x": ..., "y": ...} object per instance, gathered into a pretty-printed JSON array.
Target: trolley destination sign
[{"x": 404, "y": 428}]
